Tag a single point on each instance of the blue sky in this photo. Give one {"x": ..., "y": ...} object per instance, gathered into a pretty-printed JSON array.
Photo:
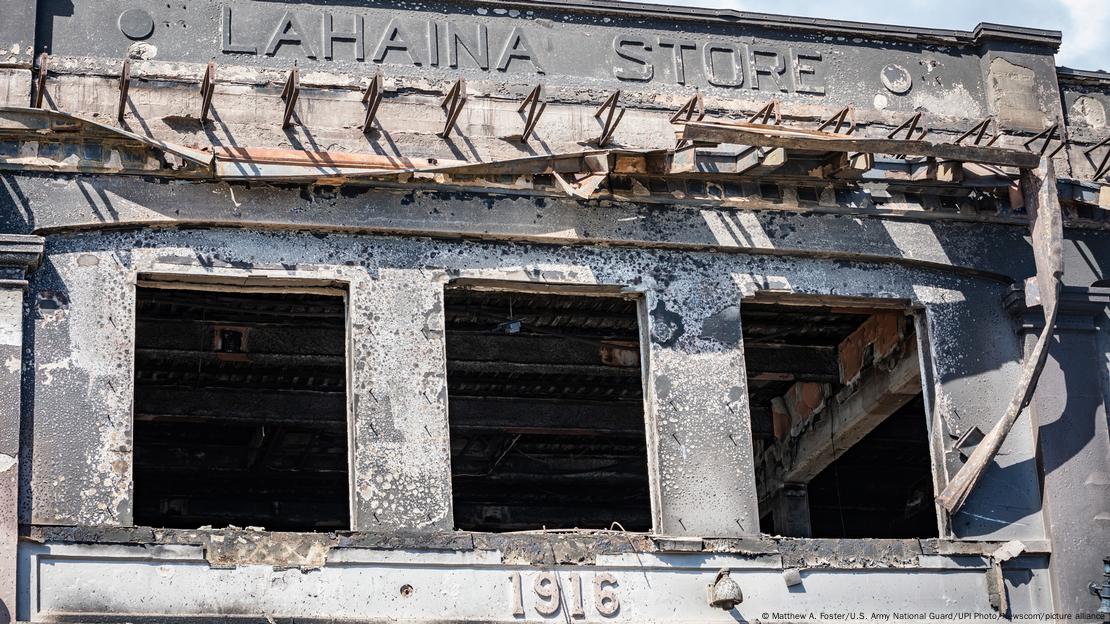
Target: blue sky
[{"x": 1085, "y": 23}]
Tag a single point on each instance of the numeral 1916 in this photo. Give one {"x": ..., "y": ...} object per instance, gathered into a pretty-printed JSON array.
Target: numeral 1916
[{"x": 551, "y": 591}]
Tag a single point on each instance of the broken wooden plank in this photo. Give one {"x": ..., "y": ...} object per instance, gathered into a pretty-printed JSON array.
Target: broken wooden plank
[
  {"x": 739, "y": 160},
  {"x": 1046, "y": 223},
  {"x": 741, "y": 133},
  {"x": 847, "y": 166}
]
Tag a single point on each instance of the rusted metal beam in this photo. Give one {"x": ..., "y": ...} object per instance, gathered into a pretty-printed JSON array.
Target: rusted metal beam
[
  {"x": 44, "y": 123},
  {"x": 741, "y": 133},
  {"x": 910, "y": 126}
]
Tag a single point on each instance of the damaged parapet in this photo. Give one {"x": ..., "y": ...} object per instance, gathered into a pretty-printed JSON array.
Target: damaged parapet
[{"x": 586, "y": 311}]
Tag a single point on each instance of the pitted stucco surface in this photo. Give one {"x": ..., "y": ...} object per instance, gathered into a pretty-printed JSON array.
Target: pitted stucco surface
[
  {"x": 696, "y": 388},
  {"x": 11, "y": 345},
  {"x": 79, "y": 393}
]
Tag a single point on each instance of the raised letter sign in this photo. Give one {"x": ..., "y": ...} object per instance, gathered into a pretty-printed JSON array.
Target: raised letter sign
[
  {"x": 640, "y": 68},
  {"x": 289, "y": 30}
]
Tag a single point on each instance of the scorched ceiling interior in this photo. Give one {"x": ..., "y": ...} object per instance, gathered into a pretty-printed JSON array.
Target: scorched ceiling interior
[
  {"x": 240, "y": 410},
  {"x": 546, "y": 411}
]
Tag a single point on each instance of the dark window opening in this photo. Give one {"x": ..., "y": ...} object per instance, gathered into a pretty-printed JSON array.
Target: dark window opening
[
  {"x": 546, "y": 411},
  {"x": 882, "y": 486},
  {"x": 811, "y": 364},
  {"x": 809, "y": 194},
  {"x": 240, "y": 410}
]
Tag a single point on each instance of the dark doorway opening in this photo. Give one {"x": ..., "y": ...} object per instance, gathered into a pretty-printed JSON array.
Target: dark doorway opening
[
  {"x": 240, "y": 410},
  {"x": 546, "y": 411}
]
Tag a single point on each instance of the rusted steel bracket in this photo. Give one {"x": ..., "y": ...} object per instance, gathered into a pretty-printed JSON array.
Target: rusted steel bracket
[
  {"x": 375, "y": 91},
  {"x": 979, "y": 131},
  {"x": 692, "y": 110},
  {"x": 207, "y": 90},
  {"x": 837, "y": 121},
  {"x": 752, "y": 134},
  {"x": 290, "y": 94},
  {"x": 452, "y": 106},
  {"x": 40, "y": 80},
  {"x": 1046, "y": 223},
  {"x": 535, "y": 105},
  {"x": 124, "y": 87},
  {"x": 1104, "y": 164},
  {"x": 763, "y": 115},
  {"x": 910, "y": 126},
  {"x": 1048, "y": 134},
  {"x": 612, "y": 119}
]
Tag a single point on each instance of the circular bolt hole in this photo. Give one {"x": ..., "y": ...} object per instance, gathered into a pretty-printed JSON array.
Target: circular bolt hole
[{"x": 406, "y": 590}]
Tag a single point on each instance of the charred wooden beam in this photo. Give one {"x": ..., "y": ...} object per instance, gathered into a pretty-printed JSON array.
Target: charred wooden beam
[
  {"x": 530, "y": 348},
  {"x": 881, "y": 392},
  {"x": 751, "y": 161},
  {"x": 233, "y": 405},
  {"x": 538, "y": 368},
  {"x": 537, "y": 416},
  {"x": 805, "y": 362}
]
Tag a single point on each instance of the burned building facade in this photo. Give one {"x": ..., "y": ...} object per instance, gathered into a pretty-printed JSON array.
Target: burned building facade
[{"x": 498, "y": 311}]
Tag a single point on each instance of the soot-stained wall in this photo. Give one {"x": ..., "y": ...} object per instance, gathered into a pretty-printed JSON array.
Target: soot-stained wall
[{"x": 77, "y": 460}]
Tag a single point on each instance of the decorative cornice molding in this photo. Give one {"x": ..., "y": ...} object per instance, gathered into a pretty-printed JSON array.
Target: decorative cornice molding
[
  {"x": 1079, "y": 308},
  {"x": 19, "y": 255}
]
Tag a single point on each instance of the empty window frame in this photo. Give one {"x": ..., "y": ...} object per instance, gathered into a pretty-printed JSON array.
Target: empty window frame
[
  {"x": 546, "y": 411},
  {"x": 839, "y": 425},
  {"x": 240, "y": 410}
]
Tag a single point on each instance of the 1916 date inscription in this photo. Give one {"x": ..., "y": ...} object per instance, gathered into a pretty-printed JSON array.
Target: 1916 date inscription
[{"x": 548, "y": 593}]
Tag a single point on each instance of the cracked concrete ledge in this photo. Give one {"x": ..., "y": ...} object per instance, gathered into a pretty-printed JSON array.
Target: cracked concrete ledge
[{"x": 233, "y": 547}]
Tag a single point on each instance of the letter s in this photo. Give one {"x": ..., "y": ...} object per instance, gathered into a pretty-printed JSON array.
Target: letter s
[{"x": 641, "y": 68}]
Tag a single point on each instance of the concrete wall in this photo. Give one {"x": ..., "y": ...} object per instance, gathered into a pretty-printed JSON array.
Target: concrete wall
[{"x": 81, "y": 335}]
